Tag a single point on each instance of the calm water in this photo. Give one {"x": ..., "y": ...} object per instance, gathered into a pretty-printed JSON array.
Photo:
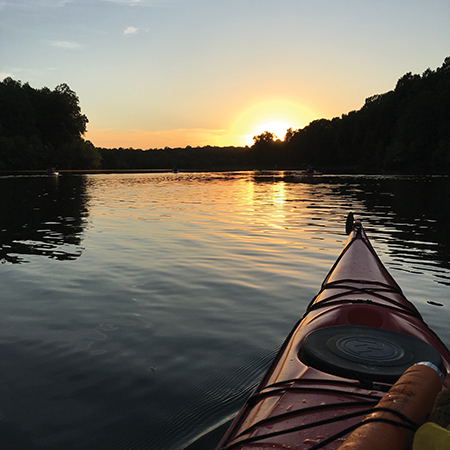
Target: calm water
[{"x": 138, "y": 311}]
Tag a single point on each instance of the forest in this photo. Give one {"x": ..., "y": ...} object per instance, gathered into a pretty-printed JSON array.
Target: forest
[{"x": 405, "y": 130}]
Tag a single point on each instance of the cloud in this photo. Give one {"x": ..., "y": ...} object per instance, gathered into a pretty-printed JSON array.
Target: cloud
[
  {"x": 130, "y": 30},
  {"x": 126, "y": 2},
  {"x": 32, "y": 4},
  {"x": 66, "y": 44},
  {"x": 56, "y": 3},
  {"x": 144, "y": 3}
]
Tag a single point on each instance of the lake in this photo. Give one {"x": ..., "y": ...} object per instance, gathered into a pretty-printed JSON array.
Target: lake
[{"x": 139, "y": 311}]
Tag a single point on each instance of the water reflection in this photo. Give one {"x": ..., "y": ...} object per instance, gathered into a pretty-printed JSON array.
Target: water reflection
[
  {"x": 412, "y": 210},
  {"x": 409, "y": 215},
  {"x": 47, "y": 216},
  {"x": 42, "y": 216}
]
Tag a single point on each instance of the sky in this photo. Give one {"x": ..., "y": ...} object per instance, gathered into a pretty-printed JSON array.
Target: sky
[{"x": 173, "y": 73}]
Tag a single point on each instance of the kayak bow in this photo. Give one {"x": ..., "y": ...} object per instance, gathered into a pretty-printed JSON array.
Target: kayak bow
[{"x": 357, "y": 338}]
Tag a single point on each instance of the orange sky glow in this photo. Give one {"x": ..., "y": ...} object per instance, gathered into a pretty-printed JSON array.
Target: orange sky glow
[{"x": 275, "y": 116}]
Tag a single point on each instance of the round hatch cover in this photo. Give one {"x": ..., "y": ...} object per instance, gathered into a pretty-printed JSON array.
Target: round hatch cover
[{"x": 365, "y": 353}]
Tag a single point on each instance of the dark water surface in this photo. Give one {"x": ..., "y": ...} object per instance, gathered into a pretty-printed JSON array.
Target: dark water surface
[{"x": 139, "y": 311}]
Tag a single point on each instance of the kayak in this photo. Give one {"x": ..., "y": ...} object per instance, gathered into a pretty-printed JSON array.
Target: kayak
[{"x": 356, "y": 341}]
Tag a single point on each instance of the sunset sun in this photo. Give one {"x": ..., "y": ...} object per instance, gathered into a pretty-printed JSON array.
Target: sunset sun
[
  {"x": 274, "y": 116},
  {"x": 277, "y": 128}
]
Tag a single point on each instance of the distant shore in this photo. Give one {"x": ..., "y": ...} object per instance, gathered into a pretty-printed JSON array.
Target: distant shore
[{"x": 43, "y": 172}]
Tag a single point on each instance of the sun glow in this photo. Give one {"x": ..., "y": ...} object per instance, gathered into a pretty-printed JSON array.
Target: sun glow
[
  {"x": 277, "y": 128},
  {"x": 274, "y": 116}
]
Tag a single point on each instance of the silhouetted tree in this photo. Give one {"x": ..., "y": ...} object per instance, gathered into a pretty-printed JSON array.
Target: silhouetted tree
[{"x": 40, "y": 127}]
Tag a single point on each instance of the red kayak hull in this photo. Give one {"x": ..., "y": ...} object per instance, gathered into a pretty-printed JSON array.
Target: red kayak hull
[{"x": 356, "y": 338}]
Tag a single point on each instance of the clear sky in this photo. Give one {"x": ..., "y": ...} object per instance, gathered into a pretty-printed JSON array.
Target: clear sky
[{"x": 156, "y": 73}]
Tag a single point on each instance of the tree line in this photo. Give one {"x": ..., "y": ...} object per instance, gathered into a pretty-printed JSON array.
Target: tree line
[{"x": 405, "y": 130}]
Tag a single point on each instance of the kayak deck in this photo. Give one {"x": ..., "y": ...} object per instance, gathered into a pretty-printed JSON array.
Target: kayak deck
[{"x": 357, "y": 337}]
